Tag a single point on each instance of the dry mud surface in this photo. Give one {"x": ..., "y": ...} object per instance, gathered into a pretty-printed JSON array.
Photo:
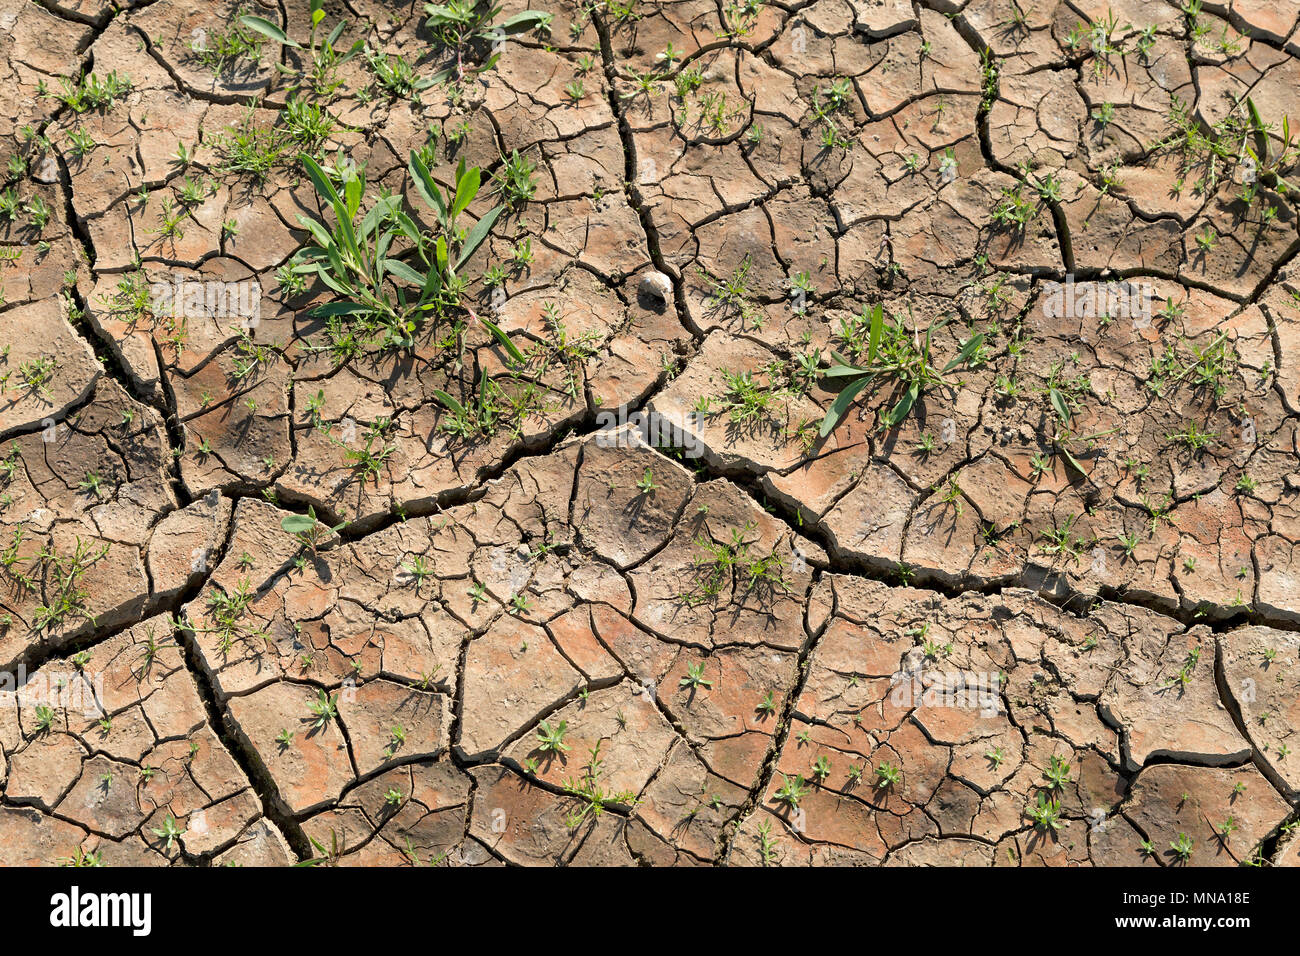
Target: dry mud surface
[{"x": 1049, "y": 617}]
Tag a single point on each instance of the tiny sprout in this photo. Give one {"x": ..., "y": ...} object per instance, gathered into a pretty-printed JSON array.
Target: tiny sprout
[{"x": 694, "y": 677}]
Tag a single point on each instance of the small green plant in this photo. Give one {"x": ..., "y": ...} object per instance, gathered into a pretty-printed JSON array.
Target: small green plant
[
  {"x": 83, "y": 858},
  {"x": 10, "y": 204},
  {"x": 888, "y": 774},
  {"x": 647, "y": 484},
  {"x": 1057, "y": 773},
  {"x": 225, "y": 50},
  {"x": 323, "y": 709},
  {"x": 791, "y": 791},
  {"x": 91, "y": 483},
  {"x": 1192, "y": 437},
  {"x": 892, "y": 356},
  {"x": 733, "y": 564},
  {"x": 170, "y": 831},
  {"x": 92, "y": 92},
  {"x": 592, "y": 798},
  {"x": 695, "y": 677},
  {"x": 463, "y": 25},
  {"x": 1185, "y": 672},
  {"x": 309, "y": 531},
  {"x": 325, "y": 55},
  {"x": 38, "y": 213},
  {"x": 1046, "y": 814},
  {"x": 1014, "y": 211},
  {"x": 418, "y": 568},
  {"x": 1128, "y": 542},
  {"x": 1270, "y": 162},
  {"x": 766, "y": 845},
  {"x": 65, "y": 596},
  {"x": 44, "y": 718},
  {"x": 550, "y": 740},
  {"x": 386, "y": 301},
  {"x": 514, "y": 179}
]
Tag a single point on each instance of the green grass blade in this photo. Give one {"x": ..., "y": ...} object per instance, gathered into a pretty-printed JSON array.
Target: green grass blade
[
  {"x": 400, "y": 269},
  {"x": 504, "y": 340},
  {"x": 466, "y": 189},
  {"x": 337, "y": 308},
  {"x": 477, "y": 235},
  {"x": 840, "y": 406},
  {"x": 427, "y": 188},
  {"x": 877, "y": 329},
  {"x": 450, "y": 403},
  {"x": 268, "y": 29},
  {"x": 899, "y": 411},
  {"x": 1061, "y": 405},
  {"x": 972, "y": 345}
]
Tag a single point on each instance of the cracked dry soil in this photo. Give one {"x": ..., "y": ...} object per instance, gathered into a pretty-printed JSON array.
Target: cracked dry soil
[{"x": 1049, "y": 617}]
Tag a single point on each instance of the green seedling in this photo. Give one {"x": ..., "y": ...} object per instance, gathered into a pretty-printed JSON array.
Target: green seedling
[
  {"x": 308, "y": 530},
  {"x": 892, "y": 356}
]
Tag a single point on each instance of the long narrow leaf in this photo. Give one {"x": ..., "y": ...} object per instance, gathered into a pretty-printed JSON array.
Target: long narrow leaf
[
  {"x": 840, "y": 406},
  {"x": 877, "y": 328},
  {"x": 440, "y": 254},
  {"x": 844, "y": 371},
  {"x": 268, "y": 29},
  {"x": 525, "y": 21},
  {"x": 427, "y": 188},
  {"x": 1258, "y": 133},
  {"x": 318, "y": 232},
  {"x": 504, "y": 339},
  {"x": 476, "y": 236},
  {"x": 1061, "y": 405},
  {"x": 324, "y": 187},
  {"x": 466, "y": 189},
  {"x": 407, "y": 226},
  {"x": 904, "y": 405},
  {"x": 432, "y": 284},
  {"x": 380, "y": 211},
  {"x": 967, "y": 350},
  {"x": 449, "y": 402},
  {"x": 337, "y": 308},
  {"x": 400, "y": 269},
  {"x": 1071, "y": 460},
  {"x": 352, "y": 194}
]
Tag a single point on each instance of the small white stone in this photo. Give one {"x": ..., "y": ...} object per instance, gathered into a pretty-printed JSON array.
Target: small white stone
[{"x": 656, "y": 285}]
